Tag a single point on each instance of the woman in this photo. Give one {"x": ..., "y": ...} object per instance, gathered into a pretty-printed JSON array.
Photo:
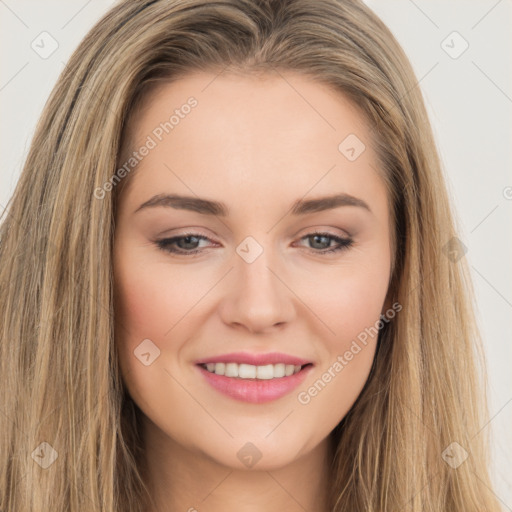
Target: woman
[{"x": 230, "y": 275}]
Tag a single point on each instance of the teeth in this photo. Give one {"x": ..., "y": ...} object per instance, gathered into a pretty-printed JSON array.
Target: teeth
[
  {"x": 279, "y": 370},
  {"x": 220, "y": 368},
  {"x": 249, "y": 371},
  {"x": 246, "y": 371},
  {"x": 231, "y": 370}
]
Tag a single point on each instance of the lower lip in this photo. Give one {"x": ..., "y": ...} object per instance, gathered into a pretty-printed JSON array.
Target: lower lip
[{"x": 255, "y": 391}]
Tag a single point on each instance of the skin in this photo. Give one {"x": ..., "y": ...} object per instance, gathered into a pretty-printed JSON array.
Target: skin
[{"x": 258, "y": 146}]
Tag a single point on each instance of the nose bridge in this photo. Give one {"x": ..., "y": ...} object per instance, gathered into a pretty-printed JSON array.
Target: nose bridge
[
  {"x": 253, "y": 266},
  {"x": 257, "y": 299}
]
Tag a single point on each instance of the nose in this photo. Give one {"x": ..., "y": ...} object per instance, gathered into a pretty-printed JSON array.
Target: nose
[{"x": 257, "y": 297}]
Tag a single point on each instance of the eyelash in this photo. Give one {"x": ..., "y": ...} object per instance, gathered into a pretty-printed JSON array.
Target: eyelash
[{"x": 166, "y": 243}]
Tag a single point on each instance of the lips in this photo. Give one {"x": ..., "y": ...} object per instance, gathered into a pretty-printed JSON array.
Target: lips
[{"x": 254, "y": 378}]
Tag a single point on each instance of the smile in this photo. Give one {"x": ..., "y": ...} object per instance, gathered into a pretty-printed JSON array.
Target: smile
[
  {"x": 249, "y": 371},
  {"x": 254, "y": 378}
]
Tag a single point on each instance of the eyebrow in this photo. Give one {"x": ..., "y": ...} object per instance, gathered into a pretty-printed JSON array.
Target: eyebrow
[{"x": 209, "y": 207}]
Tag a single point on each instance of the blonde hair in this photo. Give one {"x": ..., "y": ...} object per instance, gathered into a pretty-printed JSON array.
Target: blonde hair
[{"x": 60, "y": 379}]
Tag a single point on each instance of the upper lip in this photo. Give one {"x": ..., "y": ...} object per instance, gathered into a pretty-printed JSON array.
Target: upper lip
[{"x": 255, "y": 359}]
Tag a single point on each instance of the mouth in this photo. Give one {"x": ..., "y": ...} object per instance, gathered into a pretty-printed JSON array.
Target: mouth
[
  {"x": 252, "y": 372},
  {"x": 269, "y": 378}
]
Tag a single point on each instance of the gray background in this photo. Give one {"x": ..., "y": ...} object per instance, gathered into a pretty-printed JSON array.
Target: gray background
[{"x": 469, "y": 99}]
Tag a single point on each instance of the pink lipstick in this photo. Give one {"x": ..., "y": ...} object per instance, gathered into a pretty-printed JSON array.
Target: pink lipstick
[{"x": 254, "y": 378}]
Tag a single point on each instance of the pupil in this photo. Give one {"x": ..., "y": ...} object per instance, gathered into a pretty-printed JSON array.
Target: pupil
[
  {"x": 316, "y": 237},
  {"x": 187, "y": 240}
]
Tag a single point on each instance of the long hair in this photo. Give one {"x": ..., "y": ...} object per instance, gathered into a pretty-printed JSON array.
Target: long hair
[{"x": 69, "y": 434}]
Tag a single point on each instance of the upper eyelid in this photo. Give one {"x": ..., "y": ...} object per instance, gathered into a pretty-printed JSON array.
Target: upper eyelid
[{"x": 309, "y": 231}]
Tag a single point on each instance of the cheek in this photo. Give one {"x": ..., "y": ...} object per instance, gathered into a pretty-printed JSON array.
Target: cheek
[
  {"x": 153, "y": 302},
  {"x": 358, "y": 305},
  {"x": 353, "y": 313},
  {"x": 148, "y": 303},
  {"x": 347, "y": 300},
  {"x": 150, "y": 299},
  {"x": 145, "y": 309}
]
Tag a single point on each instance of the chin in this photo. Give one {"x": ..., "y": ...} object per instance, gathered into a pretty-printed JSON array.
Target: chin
[{"x": 257, "y": 454}]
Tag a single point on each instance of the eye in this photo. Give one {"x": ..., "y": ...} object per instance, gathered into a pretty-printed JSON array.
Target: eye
[
  {"x": 184, "y": 244},
  {"x": 323, "y": 239},
  {"x": 188, "y": 243}
]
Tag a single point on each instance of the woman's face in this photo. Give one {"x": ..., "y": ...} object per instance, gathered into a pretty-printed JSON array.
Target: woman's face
[{"x": 254, "y": 240}]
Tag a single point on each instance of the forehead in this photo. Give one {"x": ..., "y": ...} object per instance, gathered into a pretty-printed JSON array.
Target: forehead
[
  {"x": 265, "y": 102},
  {"x": 252, "y": 134}
]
